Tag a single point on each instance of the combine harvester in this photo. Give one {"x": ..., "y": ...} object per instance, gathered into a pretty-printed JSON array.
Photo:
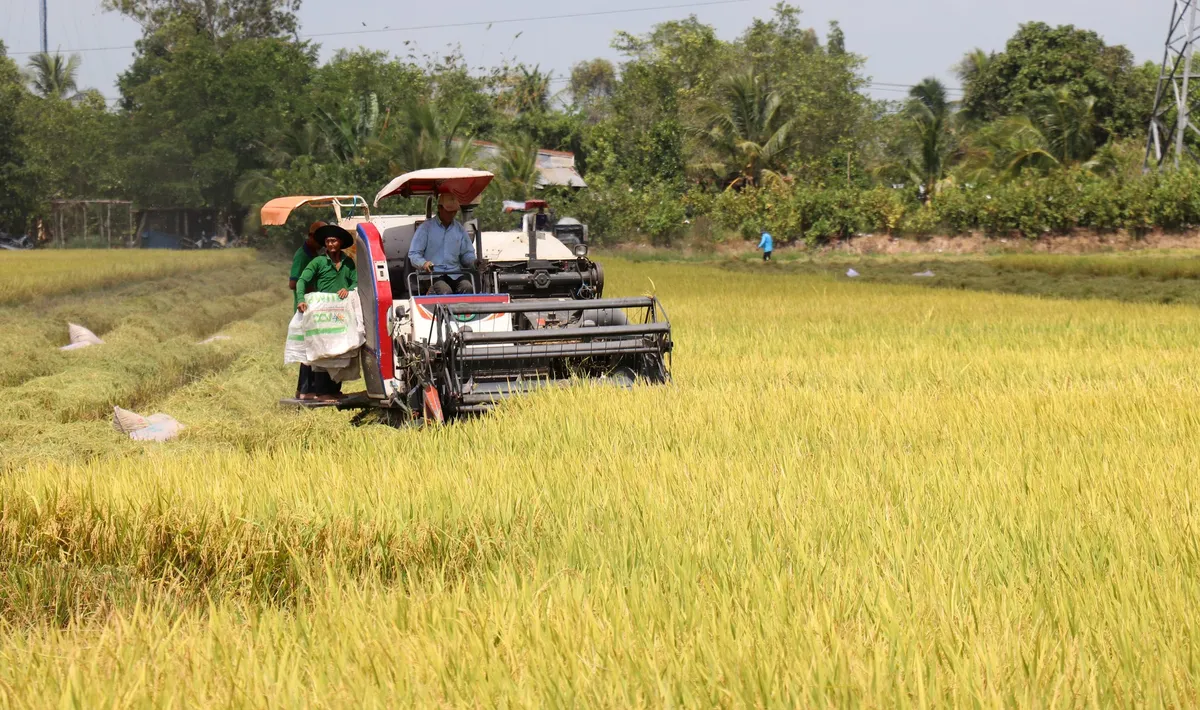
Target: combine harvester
[{"x": 537, "y": 316}]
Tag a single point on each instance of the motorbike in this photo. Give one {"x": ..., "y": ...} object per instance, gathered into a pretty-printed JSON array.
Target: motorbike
[{"x": 13, "y": 242}]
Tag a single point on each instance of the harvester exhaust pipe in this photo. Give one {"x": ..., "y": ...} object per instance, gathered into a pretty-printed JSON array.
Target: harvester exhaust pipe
[
  {"x": 472, "y": 225},
  {"x": 532, "y": 232}
]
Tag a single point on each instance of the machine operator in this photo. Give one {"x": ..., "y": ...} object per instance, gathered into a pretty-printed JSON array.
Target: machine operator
[{"x": 442, "y": 247}]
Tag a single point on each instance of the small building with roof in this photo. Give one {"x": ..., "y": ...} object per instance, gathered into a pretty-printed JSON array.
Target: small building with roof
[{"x": 555, "y": 167}]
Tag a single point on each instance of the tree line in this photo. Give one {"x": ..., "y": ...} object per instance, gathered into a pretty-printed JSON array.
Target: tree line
[{"x": 224, "y": 106}]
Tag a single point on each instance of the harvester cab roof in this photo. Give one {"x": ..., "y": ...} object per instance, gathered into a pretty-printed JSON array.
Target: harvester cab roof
[
  {"x": 536, "y": 316},
  {"x": 346, "y": 208},
  {"x": 348, "y": 211},
  {"x": 465, "y": 184}
]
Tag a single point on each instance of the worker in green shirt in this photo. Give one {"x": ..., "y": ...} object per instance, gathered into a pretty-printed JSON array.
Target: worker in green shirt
[
  {"x": 332, "y": 273},
  {"x": 305, "y": 254},
  {"x": 308, "y": 251}
]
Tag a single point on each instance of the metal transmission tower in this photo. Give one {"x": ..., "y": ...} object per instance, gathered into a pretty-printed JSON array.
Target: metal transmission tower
[
  {"x": 1172, "y": 92},
  {"x": 45, "y": 35}
]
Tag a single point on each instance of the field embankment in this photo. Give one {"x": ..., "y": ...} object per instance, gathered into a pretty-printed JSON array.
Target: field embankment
[
  {"x": 1168, "y": 277},
  {"x": 853, "y": 493}
]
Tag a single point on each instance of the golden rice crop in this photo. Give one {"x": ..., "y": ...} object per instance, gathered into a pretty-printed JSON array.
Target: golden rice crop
[
  {"x": 34, "y": 274},
  {"x": 1140, "y": 266},
  {"x": 152, "y": 331},
  {"x": 852, "y": 494}
]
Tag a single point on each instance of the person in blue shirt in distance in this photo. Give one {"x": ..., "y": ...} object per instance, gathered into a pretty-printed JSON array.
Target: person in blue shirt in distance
[
  {"x": 442, "y": 247},
  {"x": 766, "y": 244}
]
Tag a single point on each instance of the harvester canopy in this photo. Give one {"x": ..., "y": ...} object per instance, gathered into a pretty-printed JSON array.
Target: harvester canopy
[
  {"x": 464, "y": 183},
  {"x": 277, "y": 211}
]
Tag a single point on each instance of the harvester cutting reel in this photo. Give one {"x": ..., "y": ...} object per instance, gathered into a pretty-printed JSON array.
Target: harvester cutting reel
[{"x": 478, "y": 354}]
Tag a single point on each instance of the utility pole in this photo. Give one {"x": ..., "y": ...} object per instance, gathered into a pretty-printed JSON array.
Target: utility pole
[
  {"x": 1174, "y": 78},
  {"x": 45, "y": 34}
]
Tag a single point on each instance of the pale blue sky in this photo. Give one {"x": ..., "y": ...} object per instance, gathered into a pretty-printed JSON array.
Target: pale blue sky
[{"x": 903, "y": 41}]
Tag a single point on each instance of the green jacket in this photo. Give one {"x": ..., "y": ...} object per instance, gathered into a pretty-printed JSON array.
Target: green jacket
[
  {"x": 322, "y": 274},
  {"x": 301, "y": 260}
]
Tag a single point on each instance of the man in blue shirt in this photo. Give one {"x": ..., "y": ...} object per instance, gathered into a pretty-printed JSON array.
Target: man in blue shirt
[
  {"x": 766, "y": 244},
  {"x": 442, "y": 247}
]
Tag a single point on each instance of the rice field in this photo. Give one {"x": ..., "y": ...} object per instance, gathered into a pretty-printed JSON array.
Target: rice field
[
  {"x": 47, "y": 272},
  {"x": 1162, "y": 276},
  {"x": 1151, "y": 266},
  {"x": 854, "y": 494}
]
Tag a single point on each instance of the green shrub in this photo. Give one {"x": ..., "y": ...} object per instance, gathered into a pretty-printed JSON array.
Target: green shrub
[
  {"x": 922, "y": 220},
  {"x": 816, "y": 213},
  {"x": 954, "y": 210},
  {"x": 662, "y": 213},
  {"x": 883, "y": 210}
]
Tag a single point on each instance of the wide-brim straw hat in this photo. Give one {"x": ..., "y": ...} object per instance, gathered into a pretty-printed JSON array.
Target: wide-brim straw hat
[{"x": 332, "y": 230}]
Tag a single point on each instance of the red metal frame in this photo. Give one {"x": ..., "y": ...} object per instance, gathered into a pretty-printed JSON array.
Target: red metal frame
[{"x": 383, "y": 299}]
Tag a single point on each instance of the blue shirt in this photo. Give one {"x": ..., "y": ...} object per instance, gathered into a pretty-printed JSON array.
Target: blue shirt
[
  {"x": 449, "y": 248},
  {"x": 766, "y": 243}
]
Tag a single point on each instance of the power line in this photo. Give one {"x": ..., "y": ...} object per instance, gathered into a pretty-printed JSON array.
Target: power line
[
  {"x": 539, "y": 18},
  {"x": 877, "y": 85},
  {"x": 906, "y": 87},
  {"x": 415, "y": 28}
]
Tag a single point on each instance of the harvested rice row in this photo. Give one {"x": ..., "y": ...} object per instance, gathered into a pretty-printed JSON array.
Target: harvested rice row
[
  {"x": 199, "y": 305},
  {"x": 51, "y": 272},
  {"x": 65, "y": 416}
]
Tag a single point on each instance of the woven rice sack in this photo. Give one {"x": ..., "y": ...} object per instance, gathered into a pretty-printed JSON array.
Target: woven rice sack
[
  {"x": 163, "y": 427},
  {"x": 126, "y": 421},
  {"x": 79, "y": 334}
]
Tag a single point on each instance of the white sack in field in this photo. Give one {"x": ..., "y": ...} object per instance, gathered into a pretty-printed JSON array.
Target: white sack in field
[
  {"x": 156, "y": 427},
  {"x": 80, "y": 337}
]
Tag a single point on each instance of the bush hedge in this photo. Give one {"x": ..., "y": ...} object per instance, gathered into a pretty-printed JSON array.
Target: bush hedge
[{"x": 812, "y": 213}]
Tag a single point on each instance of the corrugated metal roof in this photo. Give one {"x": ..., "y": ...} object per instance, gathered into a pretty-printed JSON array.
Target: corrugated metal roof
[
  {"x": 555, "y": 167},
  {"x": 560, "y": 176}
]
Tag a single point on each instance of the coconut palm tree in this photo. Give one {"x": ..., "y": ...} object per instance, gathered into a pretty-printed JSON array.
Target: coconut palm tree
[
  {"x": 929, "y": 140},
  {"x": 304, "y": 138},
  {"x": 971, "y": 70},
  {"x": 1057, "y": 130},
  {"x": 426, "y": 138},
  {"x": 744, "y": 136},
  {"x": 53, "y": 76},
  {"x": 350, "y": 134},
  {"x": 516, "y": 169},
  {"x": 1068, "y": 123},
  {"x": 973, "y": 64},
  {"x": 931, "y": 114}
]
